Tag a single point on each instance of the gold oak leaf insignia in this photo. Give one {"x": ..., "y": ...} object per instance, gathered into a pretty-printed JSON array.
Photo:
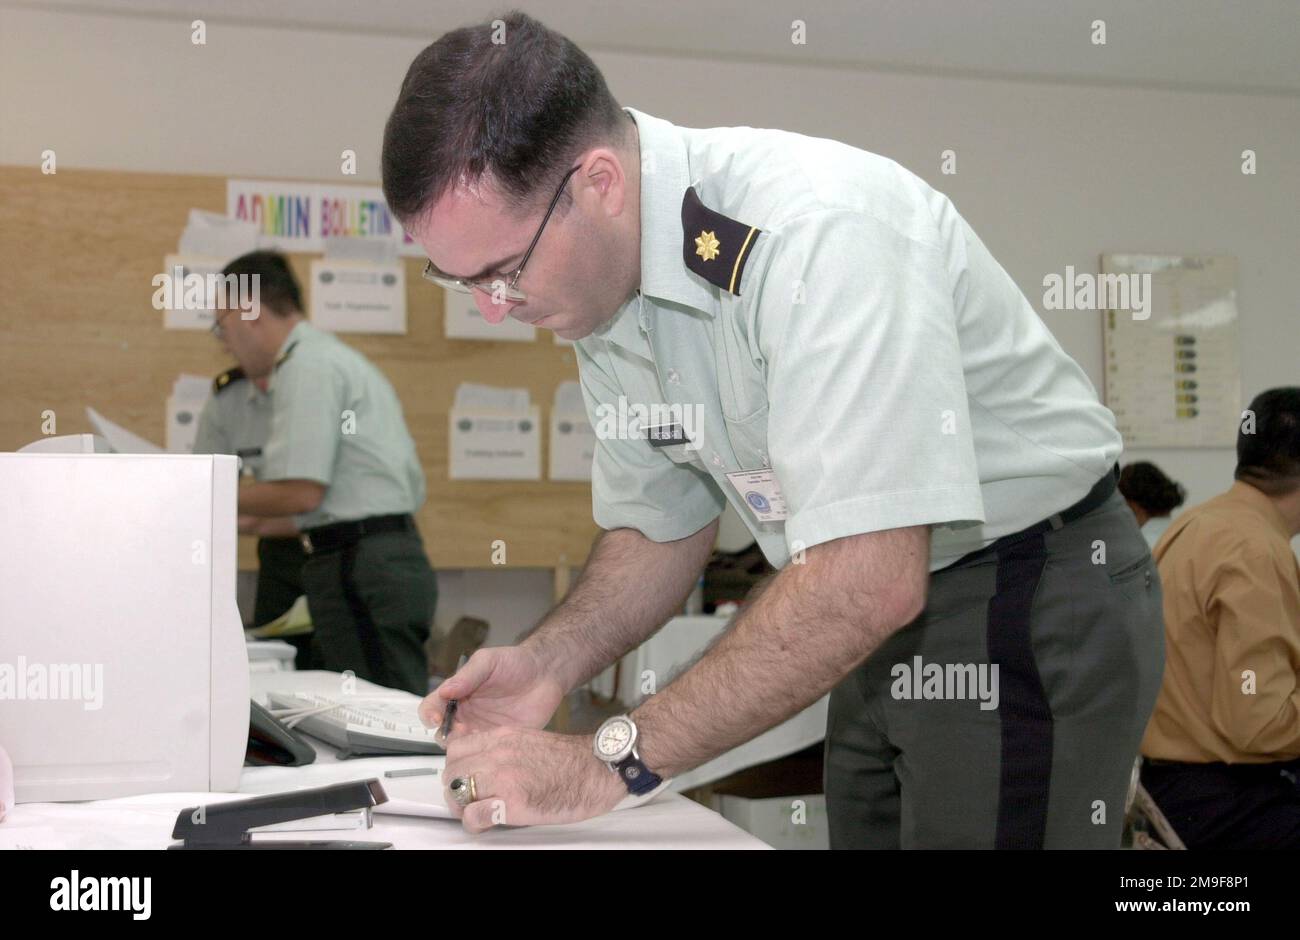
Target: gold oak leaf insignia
[{"x": 706, "y": 246}]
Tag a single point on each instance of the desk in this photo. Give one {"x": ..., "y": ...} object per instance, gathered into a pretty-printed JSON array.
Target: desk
[{"x": 145, "y": 822}]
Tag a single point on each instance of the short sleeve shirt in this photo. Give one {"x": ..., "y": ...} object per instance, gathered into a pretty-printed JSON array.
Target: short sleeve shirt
[
  {"x": 1231, "y": 588},
  {"x": 871, "y": 354},
  {"x": 337, "y": 420},
  {"x": 236, "y": 420}
]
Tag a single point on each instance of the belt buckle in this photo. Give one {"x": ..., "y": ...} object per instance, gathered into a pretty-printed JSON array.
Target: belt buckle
[{"x": 305, "y": 540}]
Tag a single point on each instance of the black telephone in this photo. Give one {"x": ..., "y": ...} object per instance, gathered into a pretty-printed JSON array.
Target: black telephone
[{"x": 270, "y": 742}]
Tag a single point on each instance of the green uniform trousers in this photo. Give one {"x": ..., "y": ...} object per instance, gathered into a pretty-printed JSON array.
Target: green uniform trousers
[
  {"x": 372, "y": 604},
  {"x": 279, "y": 584},
  {"x": 915, "y": 759}
]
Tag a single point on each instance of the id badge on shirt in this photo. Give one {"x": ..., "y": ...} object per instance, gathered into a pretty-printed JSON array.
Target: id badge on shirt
[{"x": 761, "y": 493}]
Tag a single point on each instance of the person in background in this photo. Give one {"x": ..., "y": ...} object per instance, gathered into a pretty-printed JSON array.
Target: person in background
[
  {"x": 340, "y": 463},
  {"x": 1152, "y": 496},
  {"x": 1222, "y": 748},
  {"x": 237, "y": 420}
]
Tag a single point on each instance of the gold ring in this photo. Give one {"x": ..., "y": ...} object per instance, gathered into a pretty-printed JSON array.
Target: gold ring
[{"x": 463, "y": 790}]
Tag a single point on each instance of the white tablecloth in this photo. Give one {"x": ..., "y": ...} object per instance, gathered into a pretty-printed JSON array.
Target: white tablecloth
[{"x": 145, "y": 822}]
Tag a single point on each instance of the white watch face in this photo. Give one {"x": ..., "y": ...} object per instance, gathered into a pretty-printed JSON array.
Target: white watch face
[{"x": 614, "y": 739}]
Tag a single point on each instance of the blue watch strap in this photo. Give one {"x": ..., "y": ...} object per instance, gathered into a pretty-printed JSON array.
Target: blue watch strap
[{"x": 636, "y": 776}]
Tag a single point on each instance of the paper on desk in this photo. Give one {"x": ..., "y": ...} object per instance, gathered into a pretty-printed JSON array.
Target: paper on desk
[
  {"x": 295, "y": 621},
  {"x": 119, "y": 438},
  {"x": 415, "y": 796},
  {"x": 423, "y": 796}
]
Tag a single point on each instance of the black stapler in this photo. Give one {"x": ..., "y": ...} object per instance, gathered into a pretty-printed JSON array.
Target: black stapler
[{"x": 226, "y": 825}]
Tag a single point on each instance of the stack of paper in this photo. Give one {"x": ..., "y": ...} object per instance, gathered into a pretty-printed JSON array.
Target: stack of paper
[{"x": 293, "y": 622}]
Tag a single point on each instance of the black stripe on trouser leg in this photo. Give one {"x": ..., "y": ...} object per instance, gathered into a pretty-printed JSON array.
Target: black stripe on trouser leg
[
  {"x": 1023, "y": 708},
  {"x": 366, "y": 631}
]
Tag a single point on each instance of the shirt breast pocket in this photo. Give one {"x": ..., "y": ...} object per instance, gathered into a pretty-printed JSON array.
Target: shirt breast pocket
[{"x": 748, "y": 438}]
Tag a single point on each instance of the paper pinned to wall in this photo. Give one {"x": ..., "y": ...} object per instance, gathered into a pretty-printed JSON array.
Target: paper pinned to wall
[
  {"x": 190, "y": 393},
  {"x": 216, "y": 236},
  {"x": 188, "y": 303},
  {"x": 568, "y": 398},
  {"x": 463, "y": 320},
  {"x": 493, "y": 434},
  {"x": 573, "y": 440},
  {"x": 372, "y": 251},
  {"x": 358, "y": 296},
  {"x": 1173, "y": 370},
  {"x": 491, "y": 397}
]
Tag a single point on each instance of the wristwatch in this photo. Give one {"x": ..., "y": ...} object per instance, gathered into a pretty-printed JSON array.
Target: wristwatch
[{"x": 615, "y": 744}]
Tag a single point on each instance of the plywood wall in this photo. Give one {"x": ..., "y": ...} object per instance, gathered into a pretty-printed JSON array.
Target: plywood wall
[{"x": 78, "y": 250}]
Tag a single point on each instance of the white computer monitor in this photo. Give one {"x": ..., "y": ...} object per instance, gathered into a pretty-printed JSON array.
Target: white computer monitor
[
  {"x": 122, "y": 661},
  {"x": 68, "y": 444}
]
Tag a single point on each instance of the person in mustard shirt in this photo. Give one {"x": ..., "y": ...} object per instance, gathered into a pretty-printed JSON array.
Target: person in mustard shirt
[{"x": 1222, "y": 748}]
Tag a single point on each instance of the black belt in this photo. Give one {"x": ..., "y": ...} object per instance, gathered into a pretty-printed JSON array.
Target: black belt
[
  {"x": 1099, "y": 493},
  {"x": 336, "y": 535}
]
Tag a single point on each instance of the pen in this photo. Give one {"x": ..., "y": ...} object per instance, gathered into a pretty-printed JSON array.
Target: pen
[
  {"x": 414, "y": 772},
  {"x": 453, "y": 704}
]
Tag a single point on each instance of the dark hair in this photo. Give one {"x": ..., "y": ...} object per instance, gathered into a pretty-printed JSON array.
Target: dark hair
[
  {"x": 276, "y": 285},
  {"x": 1145, "y": 484},
  {"x": 517, "y": 112},
  {"x": 1269, "y": 457}
]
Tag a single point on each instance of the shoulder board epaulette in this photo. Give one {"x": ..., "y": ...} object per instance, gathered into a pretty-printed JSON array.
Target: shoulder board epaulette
[
  {"x": 714, "y": 246},
  {"x": 226, "y": 378},
  {"x": 279, "y": 362}
]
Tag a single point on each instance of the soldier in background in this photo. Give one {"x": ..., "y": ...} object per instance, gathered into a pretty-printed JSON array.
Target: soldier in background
[
  {"x": 341, "y": 463},
  {"x": 237, "y": 420}
]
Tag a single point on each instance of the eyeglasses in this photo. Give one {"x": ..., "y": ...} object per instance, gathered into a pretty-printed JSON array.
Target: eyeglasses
[
  {"x": 216, "y": 329},
  {"x": 498, "y": 288}
]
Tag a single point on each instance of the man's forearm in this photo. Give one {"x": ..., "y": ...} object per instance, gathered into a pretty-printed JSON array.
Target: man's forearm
[
  {"x": 279, "y": 497},
  {"x": 277, "y": 527},
  {"x": 804, "y": 631},
  {"x": 629, "y": 588}
]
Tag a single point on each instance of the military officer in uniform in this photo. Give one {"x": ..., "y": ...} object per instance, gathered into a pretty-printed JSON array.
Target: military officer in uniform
[
  {"x": 237, "y": 420},
  {"x": 931, "y": 474},
  {"x": 340, "y": 462}
]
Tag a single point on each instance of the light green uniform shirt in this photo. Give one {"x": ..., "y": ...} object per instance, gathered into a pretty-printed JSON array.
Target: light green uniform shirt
[
  {"x": 872, "y": 354},
  {"x": 236, "y": 420},
  {"x": 336, "y": 420}
]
